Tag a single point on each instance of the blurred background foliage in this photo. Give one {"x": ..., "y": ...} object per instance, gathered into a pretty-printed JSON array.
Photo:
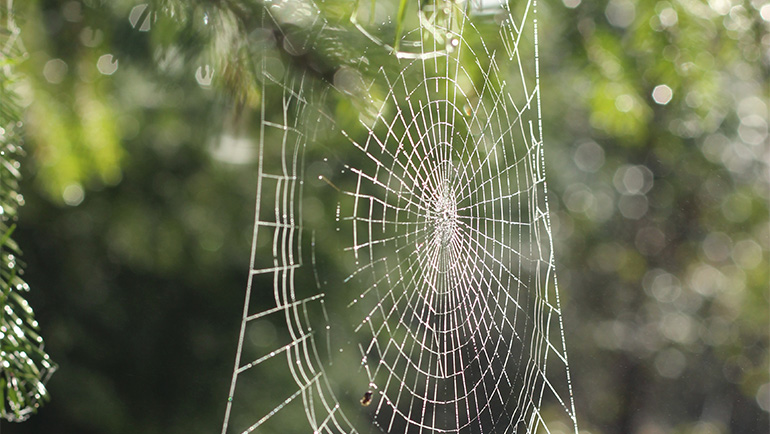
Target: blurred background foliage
[{"x": 140, "y": 176}]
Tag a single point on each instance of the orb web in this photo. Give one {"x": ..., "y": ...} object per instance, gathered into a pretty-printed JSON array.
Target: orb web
[{"x": 402, "y": 272}]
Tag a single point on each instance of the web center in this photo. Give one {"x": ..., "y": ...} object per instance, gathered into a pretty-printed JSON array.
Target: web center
[{"x": 445, "y": 217}]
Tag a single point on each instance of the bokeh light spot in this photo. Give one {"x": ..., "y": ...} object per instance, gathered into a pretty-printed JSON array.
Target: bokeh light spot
[
  {"x": 624, "y": 103},
  {"x": 707, "y": 280},
  {"x": 717, "y": 246},
  {"x": 107, "y": 64},
  {"x": 747, "y": 254},
  {"x": 589, "y": 157},
  {"x": 72, "y": 11},
  {"x": 668, "y": 17},
  {"x": 670, "y": 363},
  {"x": 633, "y": 206},
  {"x": 662, "y": 94},
  {"x": 620, "y": 13},
  {"x": 763, "y": 393},
  {"x": 73, "y": 195},
  {"x": 572, "y": 4},
  {"x": 630, "y": 179},
  {"x": 139, "y": 19},
  {"x": 55, "y": 70},
  {"x": 204, "y": 75},
  {"x": 764, "y": 12}
]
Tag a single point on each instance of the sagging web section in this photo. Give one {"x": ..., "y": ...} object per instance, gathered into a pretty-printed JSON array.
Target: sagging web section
[{"x": 408, "y": 256}]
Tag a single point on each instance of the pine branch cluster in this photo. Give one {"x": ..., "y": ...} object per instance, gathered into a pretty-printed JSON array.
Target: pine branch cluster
[{"x": 24, "y": 365}]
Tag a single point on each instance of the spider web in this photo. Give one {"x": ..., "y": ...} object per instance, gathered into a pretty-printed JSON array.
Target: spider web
[{"x": 402, "y": 271}]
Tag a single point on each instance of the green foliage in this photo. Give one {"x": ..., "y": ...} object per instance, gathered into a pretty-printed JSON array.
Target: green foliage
[
  {"x": 24, "y": 365},
  {"x": 71, "y": 117}
]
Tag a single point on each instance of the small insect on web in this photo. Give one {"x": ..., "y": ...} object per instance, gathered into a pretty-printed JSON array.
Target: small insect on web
[
  {"x": 367, "y": 398},
  {"x": 402, "y": 274}
]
